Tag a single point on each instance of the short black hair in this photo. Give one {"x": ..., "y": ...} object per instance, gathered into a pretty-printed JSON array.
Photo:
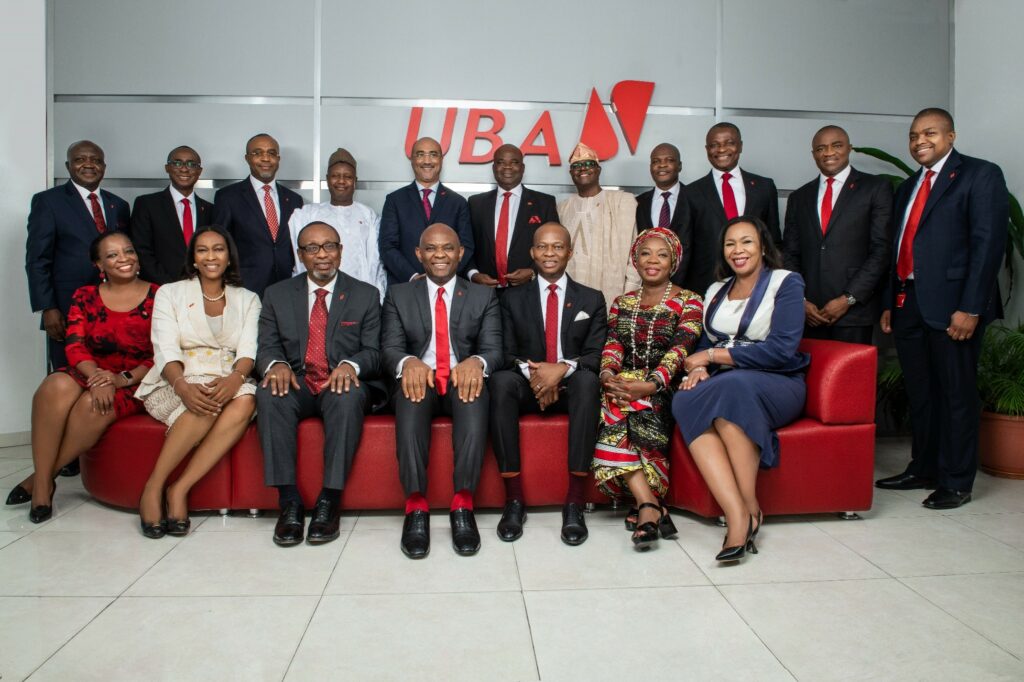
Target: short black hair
[
  {"x": 94, "y": 245},
  {"x": 936, "y": 111},
  {"x": 298, "y": 237},
  {"x": 832, "y": 126},
  {"x": 772, "y": 257},
  {"x": 179, "y": 148},
  {"x": 232, "y": 275},
  {"x": 249, "y": 141},
  {"x": 731, "y": 126}
]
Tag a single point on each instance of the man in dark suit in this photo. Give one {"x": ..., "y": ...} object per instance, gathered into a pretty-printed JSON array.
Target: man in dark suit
[
  {"x": 163, "y": 222},
  {"x": 503, "y": 230},
  {"x": 952, "y": 218},
  {"x": 715, "y": 198},
  {"x": 256, "y": 211},
  {"x": 665, "y": 204},
  {"x": 838, "y": 237},
  {"x": 62, "y": 223},
  {"x": 408, "y": 211},
  {"x": 442, "y": 335},
  {"x": 319, "y": 344},
  {"x": 554, "y": 332}
]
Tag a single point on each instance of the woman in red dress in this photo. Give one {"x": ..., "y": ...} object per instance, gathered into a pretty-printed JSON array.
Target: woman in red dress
[{"x": 109, "y": 351}]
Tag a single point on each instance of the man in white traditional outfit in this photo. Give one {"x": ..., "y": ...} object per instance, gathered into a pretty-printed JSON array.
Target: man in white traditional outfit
[
  {"x": 357, "y": 224},
  {"x": 602, "y": 224}
]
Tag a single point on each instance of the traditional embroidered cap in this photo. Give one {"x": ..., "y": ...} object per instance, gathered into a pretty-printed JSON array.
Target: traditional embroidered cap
[
  {"x": 670, "y": 238},
  {"x": 583, "y": 153},
  {"x": 341, "y": 156}
]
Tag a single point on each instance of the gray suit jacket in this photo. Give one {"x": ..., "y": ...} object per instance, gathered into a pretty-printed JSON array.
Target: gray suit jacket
[
  {"x": 353, "y": 325},
  {"x": 474, "y": 323}
]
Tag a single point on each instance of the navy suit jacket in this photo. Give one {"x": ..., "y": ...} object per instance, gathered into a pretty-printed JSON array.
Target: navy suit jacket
[
  {"x": 60, "y": 229},
  {"x": 403, "y": 220},
  {"x": 264, "y": 261},
  {"x": 156, "y": 232},
  {"x": 960, "y": 240}
]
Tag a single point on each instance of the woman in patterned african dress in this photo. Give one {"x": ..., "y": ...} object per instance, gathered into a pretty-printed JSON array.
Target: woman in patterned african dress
[{"x": 650, "y": 334}]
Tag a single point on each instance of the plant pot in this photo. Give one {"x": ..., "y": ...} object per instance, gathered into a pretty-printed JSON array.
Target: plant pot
[{"x": 1001, "y": 445}]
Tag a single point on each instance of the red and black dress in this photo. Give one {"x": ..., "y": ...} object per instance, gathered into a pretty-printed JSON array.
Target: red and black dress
[{"x": 115, "y": 341}]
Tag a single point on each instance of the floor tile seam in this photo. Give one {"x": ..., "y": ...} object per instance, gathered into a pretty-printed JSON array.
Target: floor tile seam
[
  {"x": 707, "y": 576},
  {"x": 74, "y": 635},
  {"x": 958, "y": 620},
  {"x": 861, "y": 555},
  {"x": 987, "y": 534},
  {"x": 298, "y": 643},
  {"x": 615, "y": 589},
  {"x": 754, "y": 632},
  {"x": 529, "y": 630}
]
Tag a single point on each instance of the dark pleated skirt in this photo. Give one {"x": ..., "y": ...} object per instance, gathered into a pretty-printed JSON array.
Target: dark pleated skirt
[{"x": 756, "y": 401}]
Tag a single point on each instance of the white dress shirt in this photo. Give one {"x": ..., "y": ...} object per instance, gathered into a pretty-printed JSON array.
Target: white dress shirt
[
  {"x": 513, "y": 211},
  {"x": 736, "y": 182},
  {"x": 180, "y": 207},
  {"x": 657, "y": 200},
  {"x": 88, "y": 204},
  {"x": 433, "y": 192},
  {"x": 430, "y": 356},
  {"x": 837, "y": 186},
  {"x": 560, "y": 285},
  {"x": 257, "y": 186},
  {"x": 937, "y": 167}
]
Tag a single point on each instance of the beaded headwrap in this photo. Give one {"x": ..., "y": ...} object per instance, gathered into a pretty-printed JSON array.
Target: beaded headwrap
[{"x": 661, "y": 233}]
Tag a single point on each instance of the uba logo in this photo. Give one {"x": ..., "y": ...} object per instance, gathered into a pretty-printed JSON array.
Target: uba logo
[{"x": 630, "y": 100}]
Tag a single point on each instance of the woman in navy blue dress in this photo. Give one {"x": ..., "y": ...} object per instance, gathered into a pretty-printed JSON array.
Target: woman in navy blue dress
[{"x": 746, "y": 377}]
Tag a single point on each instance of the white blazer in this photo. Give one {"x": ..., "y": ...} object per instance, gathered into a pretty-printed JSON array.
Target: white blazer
[{"x": 181, "y": 333}]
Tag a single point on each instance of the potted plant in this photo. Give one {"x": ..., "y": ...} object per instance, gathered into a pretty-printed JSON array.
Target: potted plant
[{"x": 1001, "y": 387}]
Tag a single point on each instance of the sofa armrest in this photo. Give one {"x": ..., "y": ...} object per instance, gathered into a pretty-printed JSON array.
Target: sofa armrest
[{"x": 840, "y": 382}]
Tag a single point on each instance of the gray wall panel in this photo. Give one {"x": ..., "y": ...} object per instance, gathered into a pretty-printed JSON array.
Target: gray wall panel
[
  {"x": 187, "y": 47},
  {"x": 873, "y": 56}
]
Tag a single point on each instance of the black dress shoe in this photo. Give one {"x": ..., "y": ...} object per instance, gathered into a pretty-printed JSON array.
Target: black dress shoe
[
  {"x": 465, "y": 536},
  {"x": 154, "y": 531},
  {"x": 178, "y": 527},
  {"x": 416, "y": 535},
  {"x": 905, "y": 481},
  {"x": 325, "y": 524},
  {"x": 71, "y": 468},
  {"x": 944, "y": 498},
  {"x": 574, "y": 527},
  {"x": 290, "y": 525},
  {"x": 510, "y": 528},
  {"x": 18, "y": 495}
]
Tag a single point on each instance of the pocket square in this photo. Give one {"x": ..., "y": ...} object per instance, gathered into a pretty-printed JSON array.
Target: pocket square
[
  {"x": 348, "y": 323},
  {"x": 534, "y": 220},
  {"x": 580, "y": 316}
]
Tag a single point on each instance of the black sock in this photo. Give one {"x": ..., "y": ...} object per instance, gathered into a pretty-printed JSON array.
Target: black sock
[
  {"x": 513, "y": 488},
  {"x": 332, "y": 495},
  {"x": 577, "y": 493},
  {"x": 288, "y": 493}
]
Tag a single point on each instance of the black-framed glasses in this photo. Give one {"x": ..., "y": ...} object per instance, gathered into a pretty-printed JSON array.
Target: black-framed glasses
[
  {"x": 178, "y": 163},
  {"x": 313, "y": 249},
  {"x": 580, "y": 165}
]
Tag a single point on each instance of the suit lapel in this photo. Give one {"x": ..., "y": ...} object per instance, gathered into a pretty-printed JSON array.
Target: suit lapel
[
  {"x": 300, "y": 309},
  {"x": 197, "y": 313},
  {"x": 170, "y": 211},
  {"x": 249, "y": 198},
  {"x": 341, "y": 296},
  {"x": 78, "y": 207},
  {"x": 440, "y": 197},
  {"x": 846, "y": 195},
  {"x": 569, "y": 308},
  {"x": 459, "y": 293},
  {"x": 942, "y": 182},
  {"x": 521, "y": 227},
  {"x": 755, "y": 195},
  {"x": 536, "y": 310},
  {"x": 423, "y": 308},
  {"x": 711, "y": 190}
]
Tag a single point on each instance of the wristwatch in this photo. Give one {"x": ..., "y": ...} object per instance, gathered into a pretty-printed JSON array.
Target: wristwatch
[
  {"x": 128, "y": 378},
  {"x": 850, "y": 298}
]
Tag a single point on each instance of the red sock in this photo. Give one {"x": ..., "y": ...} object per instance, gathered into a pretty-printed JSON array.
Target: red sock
[
  {"x": 463, "y": 500},
  {"x": 416, "y": 502},
  {"x": 513, "y": 488},
  {"x": 577, "y": 493}
]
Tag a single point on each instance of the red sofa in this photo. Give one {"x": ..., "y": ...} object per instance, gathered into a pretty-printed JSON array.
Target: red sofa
[{"x": 827, "y": 457}]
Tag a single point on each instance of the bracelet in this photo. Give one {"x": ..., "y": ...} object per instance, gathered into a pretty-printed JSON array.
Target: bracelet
[
  {"x": 175, "y": 382},
  {"x": 239, "y": 373},
  {"x": 711, "y": 355}
]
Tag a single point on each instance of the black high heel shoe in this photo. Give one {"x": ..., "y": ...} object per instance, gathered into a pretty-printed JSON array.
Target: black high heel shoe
[
  {"x": 18, "y": 495},
  {"x": 737, "y": 552},
  {"x": 178, "y": 527},
  {"x": 751, "y": 547},
  {"x": 154, "y": 531},
  {"x": 631, "y": 518},
  {"x": 42, "y": 512},
  {"x": 646, "y": 534},
  {"x": 666, "y": 527}
]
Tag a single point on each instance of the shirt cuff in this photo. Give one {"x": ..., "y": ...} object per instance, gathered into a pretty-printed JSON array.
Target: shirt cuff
[
  {"x": 413, "y": 276},
  {"x": 469, "y": 275},
  {"x": 401, "y": 364},
  {"x": 525, "y": 369},
  {"x": 353, "y": 365},
  {"x": 572, "y": 367},
  {"x": 483, "y": 362},
  {"x": 272, "y": 363}
]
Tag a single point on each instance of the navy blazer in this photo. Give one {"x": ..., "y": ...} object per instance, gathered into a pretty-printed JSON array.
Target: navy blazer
[
  {"x": 264, "y": 261},
  {"x": 960, "y": 241},
  {"x": 402, "y": 221},
  {"x": 156, "y": 232},
  {"x": 60, "y": 229}
]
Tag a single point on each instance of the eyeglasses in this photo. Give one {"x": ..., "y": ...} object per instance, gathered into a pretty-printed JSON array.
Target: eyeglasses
[
  {"x": 313, "y": 249},
  {"x": 272, "y": 153},
  {"x": 178, "y": 163},
  {"x": 426, "y": 155},
  {"x": 580, "y": 165}
]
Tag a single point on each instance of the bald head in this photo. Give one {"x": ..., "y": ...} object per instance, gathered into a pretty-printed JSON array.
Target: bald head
[
  {"x": 549, "y": 231},
  {"x": 438, "y": 231},
  {"x": 665, "y": 166}
]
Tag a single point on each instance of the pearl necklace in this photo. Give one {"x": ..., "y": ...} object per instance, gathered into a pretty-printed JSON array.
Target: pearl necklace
[
  {"x": 650, "y": 336},
  {"x": 214, "y": 299}
]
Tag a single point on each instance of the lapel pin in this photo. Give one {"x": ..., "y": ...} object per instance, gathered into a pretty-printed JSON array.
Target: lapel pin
[
  {"x": 458, "y": 293},
  {"x": 341, "y": 296},
  {"x": 851, "y": 185},
  {"x": 952, "y": 175},
  {"x": 568, "y": 304}
]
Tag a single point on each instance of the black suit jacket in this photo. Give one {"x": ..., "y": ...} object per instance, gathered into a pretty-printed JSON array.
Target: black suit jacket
[
  {"x": 474, "y": 323},
  {"x": 680, "y": 224},
  {"x": 60, "y": 230},
  {"x": 157, "y": 234},
  {"x": 853, "y": 256},
  {"x": 583, "y": 329},
  {"x": 707, "y": 216},
  {"x": 960, "y": 241},
  {"x": 353, "y": 326},
  {"x": 264, "y": 261},
  {"x": 535, "y": 209},
  {"x": 402, "y": 221}
]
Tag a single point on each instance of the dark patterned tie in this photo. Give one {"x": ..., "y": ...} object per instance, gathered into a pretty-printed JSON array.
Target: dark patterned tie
[
  {"x": 665, "y": 218},
  {"x": 316, "y": 348},
  {"x": 97, "y": 213}
]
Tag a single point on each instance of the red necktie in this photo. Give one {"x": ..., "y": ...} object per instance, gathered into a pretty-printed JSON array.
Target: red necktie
[
  {"x": 316, "y": 347},
  {"x": 268, "y": 206},
  {"x": 443, "y": 359},
  {"x": 501, "y": 241},
  {"x": 665, "y": 217},
  {"x": 97, "y": 213},
  {"x": 426, "y": 202},
  {"x": 826, "y": 205},
  {"x": 551, "y": 324},
  {"x": 728, "y": 198},
  {"x": 186, "y": 221},
  {"x": 905, "y": 261}
]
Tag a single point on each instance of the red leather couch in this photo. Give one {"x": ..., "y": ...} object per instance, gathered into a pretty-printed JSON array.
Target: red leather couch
[{"x": 827, "y": 457}]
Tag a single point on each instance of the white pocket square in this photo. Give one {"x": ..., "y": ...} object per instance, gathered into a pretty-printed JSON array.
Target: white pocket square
[{"x": 581, "y": 315}]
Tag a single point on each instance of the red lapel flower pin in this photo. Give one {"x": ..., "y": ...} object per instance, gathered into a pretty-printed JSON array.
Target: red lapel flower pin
[
  {"x": 534, "y": 220},
  {"x": 952, "y": 175}
]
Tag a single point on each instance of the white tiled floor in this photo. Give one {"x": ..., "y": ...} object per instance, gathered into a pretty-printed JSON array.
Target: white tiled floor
[{"x": 903, "y": 593}]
